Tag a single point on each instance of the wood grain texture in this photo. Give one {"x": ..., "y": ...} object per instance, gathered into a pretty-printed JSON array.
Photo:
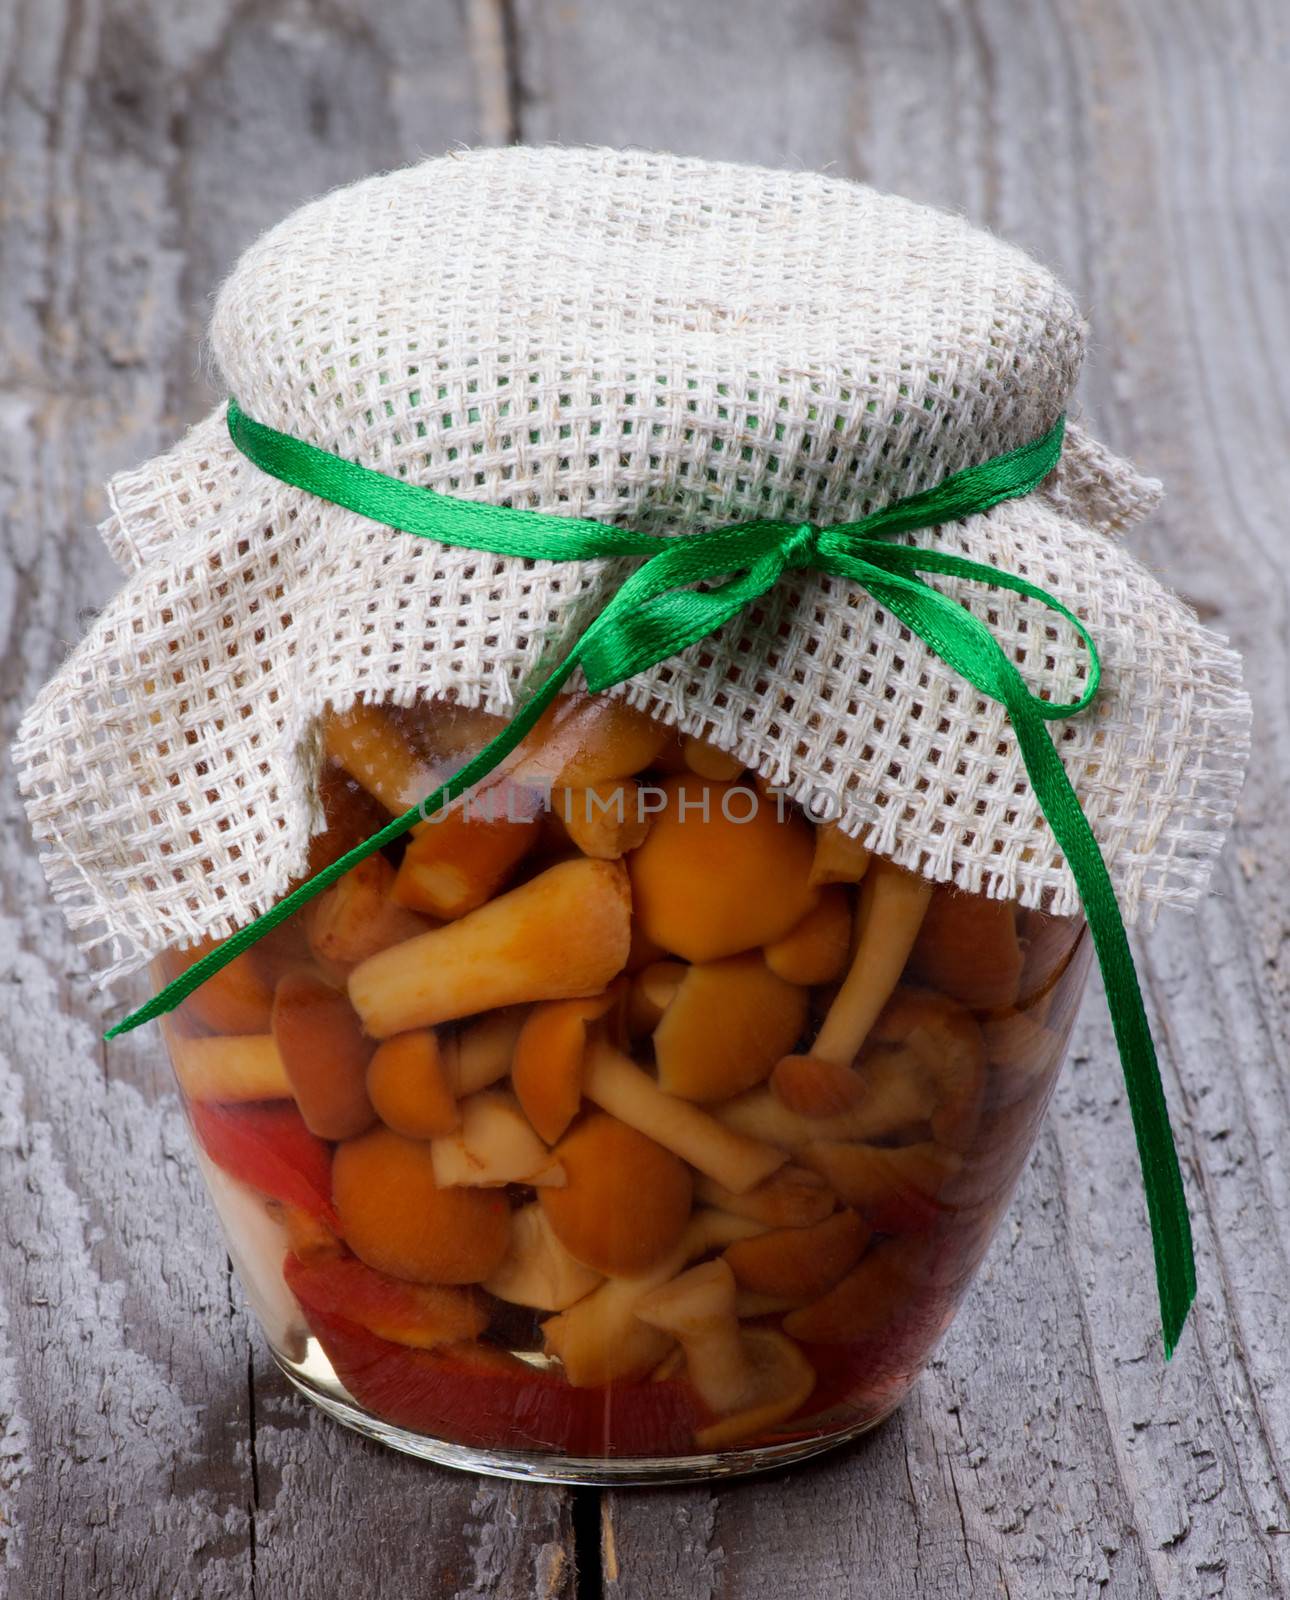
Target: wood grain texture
[{"x": 147, "y": 1445}]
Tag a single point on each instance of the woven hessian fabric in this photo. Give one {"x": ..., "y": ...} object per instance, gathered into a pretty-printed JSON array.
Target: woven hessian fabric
[{"x": 665, "y": 344}]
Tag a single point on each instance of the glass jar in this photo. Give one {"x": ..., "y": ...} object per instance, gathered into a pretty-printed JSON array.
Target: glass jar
[{"x": 623, "y": 1122}]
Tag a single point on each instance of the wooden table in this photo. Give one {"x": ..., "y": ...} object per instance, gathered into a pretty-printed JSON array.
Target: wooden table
[{"x": 148, "y": 1446}]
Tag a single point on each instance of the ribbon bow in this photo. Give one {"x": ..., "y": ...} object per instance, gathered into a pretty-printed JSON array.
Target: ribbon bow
[{"x": 658, "y": 612}]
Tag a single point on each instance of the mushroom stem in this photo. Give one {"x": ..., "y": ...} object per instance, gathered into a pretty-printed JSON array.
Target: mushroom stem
[
  {"x": 618, "y": 1086},
  {"x": 372, "y": 749},
  {"x": 890, "y": 912},
  {"x": 699, "y": 1310},
  {"x": 560, "y": 936}
]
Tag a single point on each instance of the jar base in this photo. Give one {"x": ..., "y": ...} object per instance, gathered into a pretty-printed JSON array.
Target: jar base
[{"x": 314, "y": 1378}]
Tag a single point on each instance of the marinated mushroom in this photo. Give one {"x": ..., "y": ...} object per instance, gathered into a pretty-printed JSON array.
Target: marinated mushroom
[
  {"x": 950, "y": 1049},
  {"x": 358, "y": 916},
  {"x": 482, "y": 1052},
  {"x": 597, "y": 741},
  {"x": 546, "y": 1069},
  {"x": 726, "y": 1026},
  {"x": 561, "y": 935},
  {"x": 236, "y": 999},
  {"x": 408, "y": 1085},
  {"x": 370, "y": 746},
  {"x": 240, "y": 1066},
  {"x": 899, "y": 1093},
  {"x": 620, "y": 1087},
  {"x": 599, "y": 1340},
  {"x": 396, "y": 1218},
  {"x": 889, "y": 913},
  {"x": 751, "y": 1378},
  {"x": 652, "y": 990},
  {"x": 967, "y": 947},
  {"x": 864, "y": 1303},
  {"x": 707, "y": 761},
  {"x": 793, "y": 1197},
  {"x": 799, "y": 1263},
  {"x": 324, "y": 1053},
  {"x": 603, "y": 820},
  {"x": 492, "y": 1145},
  {"x": 538, "y": 1271},
  {"x": 897, "y": 1188},
  {"x": 838, "y": 857},
  {"x": 818, "y": 949},
  {"x": 718, "y": 873},
  {"x": 463, "y": 856},
  {"x": 625, "y": 1200}
]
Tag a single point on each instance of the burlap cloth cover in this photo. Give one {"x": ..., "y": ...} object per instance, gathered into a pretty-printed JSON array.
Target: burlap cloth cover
[{"x": 667, "y": 344}]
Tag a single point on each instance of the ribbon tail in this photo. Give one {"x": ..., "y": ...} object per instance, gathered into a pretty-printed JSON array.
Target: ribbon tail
[{"x": 1166, "y": 1202}]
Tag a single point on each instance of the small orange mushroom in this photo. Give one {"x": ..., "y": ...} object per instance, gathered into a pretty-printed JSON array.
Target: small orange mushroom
[
  {"x": 546, "y": 1070},
  {"x": 229, "y": 1067},
  {"x": 725, "y": 1028},
  {"x": 889, "y": 914},
  {"x": 236, "y": 999},
  {"x": 394, "y": 1216},
  {"x": 462, "y": 857},
  {"x": 950, "y": 1049},
  {"x": 350, "y": 815},
  {"x": 562, "y": 935},
  {"x": 897, "y": 1188},
  {"x": 493, "y": 1145},
  {"x": 604, "y": 820},
  {"x": 1049, "y": 945},
  {"x": 718, "y": 873},
  {"x": 863, "y": 1304},
  {"x": 358, "y": 916},
  {"x": 818, "y": 949},
  {"x": 482, "y": 1052},
  {"x": 599, "y": 1340},
  {"x": 325, "y": 1054},
  {"x": 371, "y": 747},
  {"x": 408, "y": 1085},
  {"x": 752, "y": 1378},
  {"x": 897, "y": 1094},
  {"x": 967, "y": 948},
  {"x": 619, "y": 1086},
  {"x": 538, "y": 1271},
  {"x": 816, "y": 1088},
  {"x": 707, "y": 761},
  {"x": 799, "y": 1263},
  {"x": 625, "y": 1201},
  {"x": 838, "y": 857},
  {"x": 599, "y": 740},
  {"x": 652, "y": 991},
  {"x": 793, "y": 1197}
]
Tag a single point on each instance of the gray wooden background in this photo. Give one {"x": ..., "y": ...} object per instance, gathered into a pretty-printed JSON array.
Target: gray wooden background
[{"x": 147, "y": 1446}]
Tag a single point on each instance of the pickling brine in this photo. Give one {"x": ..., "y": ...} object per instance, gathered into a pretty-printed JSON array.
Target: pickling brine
[{"x": 623, "y": 1121}]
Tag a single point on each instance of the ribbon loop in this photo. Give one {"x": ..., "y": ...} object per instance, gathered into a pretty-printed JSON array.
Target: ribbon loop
[{"x": 686, "y": 590}]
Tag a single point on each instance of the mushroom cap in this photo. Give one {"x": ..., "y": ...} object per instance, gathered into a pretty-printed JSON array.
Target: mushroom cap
[
  {"x": 625, "y": 1201},
  {"x": 780, "y": 1382}
]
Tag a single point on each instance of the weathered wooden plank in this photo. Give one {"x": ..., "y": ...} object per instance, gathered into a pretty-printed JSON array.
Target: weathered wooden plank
[
  {"x": 1136, "y": 148},
  {"x": 147, "y": 1444}
]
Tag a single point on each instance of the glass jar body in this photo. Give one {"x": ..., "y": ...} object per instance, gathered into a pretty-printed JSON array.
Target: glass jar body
[{"x": 625, "y": 1122}]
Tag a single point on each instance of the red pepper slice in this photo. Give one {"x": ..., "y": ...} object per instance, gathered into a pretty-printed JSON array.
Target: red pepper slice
[
  {"x": 477, "y": 1395},
  {"x": 267, "y": 1146}
]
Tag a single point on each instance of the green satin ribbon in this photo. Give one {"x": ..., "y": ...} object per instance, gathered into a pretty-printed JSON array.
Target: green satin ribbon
[{"x": 658, "y": 612}]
